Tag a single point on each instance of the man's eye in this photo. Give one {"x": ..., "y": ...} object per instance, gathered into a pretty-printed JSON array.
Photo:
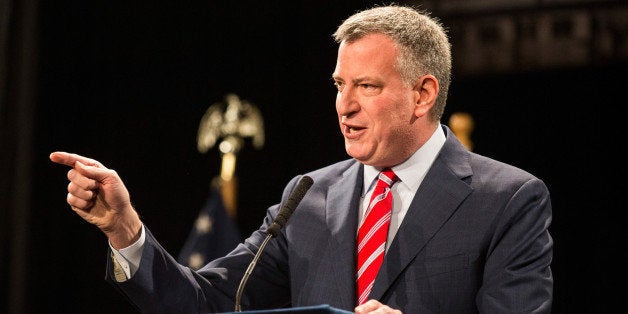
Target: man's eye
[
  {"x": 370, "y": 89},
  {"x": 339, "y": 85}
]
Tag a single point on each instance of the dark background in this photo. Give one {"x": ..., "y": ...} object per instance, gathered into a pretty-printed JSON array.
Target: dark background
[{"x": 127, "y": 84}]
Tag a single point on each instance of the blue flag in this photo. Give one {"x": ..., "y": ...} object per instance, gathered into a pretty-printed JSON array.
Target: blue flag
[{"x": 214, "y": 234}]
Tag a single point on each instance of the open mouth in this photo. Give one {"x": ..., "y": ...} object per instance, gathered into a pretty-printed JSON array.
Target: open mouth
[{"x": 352, "y": 130}]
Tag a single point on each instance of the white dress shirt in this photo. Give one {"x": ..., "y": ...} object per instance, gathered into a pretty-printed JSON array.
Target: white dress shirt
[{"x": 410, "y": 173}]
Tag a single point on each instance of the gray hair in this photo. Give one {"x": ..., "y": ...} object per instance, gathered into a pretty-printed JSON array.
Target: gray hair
[{"x": 422, "y": 41}]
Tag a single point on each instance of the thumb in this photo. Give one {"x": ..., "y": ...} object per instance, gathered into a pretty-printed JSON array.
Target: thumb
[{"x": 99, "y": 174}]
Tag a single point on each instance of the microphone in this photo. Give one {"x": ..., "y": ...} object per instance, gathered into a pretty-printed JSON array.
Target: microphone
[
  {"x": 288, "y": 208},
  {"x": 273, "y": 230}
]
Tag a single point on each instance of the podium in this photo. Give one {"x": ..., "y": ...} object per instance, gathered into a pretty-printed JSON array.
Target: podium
[{"x": 315, "y": 309}]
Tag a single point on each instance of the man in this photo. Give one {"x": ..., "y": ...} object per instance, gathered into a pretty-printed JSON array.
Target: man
[{"x": 465, "y": 234}]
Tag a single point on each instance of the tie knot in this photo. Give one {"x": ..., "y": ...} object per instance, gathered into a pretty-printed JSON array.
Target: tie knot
[{"x": 388, "y": 176}]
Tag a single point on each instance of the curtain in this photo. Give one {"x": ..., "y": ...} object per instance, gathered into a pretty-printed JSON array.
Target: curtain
[{"x": 18, "y": 93}]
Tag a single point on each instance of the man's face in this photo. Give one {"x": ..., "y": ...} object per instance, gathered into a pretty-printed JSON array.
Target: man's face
[{"x": 376, "y": 110}]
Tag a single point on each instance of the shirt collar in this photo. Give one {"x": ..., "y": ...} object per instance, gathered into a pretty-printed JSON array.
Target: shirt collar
[{"x": 412, "y": 171}]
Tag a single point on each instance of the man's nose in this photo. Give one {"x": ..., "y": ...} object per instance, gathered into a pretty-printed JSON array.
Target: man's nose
[{"x": 347, "y": 101}]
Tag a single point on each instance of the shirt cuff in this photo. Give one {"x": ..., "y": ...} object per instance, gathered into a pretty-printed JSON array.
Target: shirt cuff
[{"x": 129, "y": 258}]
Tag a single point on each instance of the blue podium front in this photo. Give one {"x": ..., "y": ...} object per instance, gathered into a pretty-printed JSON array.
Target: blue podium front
[{"x": 315, "y": 309}]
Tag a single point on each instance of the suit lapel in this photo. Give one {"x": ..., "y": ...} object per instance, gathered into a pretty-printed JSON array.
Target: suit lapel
[
  {"x": 342, "y": 220},
  {"x": 436, "y": 200}
]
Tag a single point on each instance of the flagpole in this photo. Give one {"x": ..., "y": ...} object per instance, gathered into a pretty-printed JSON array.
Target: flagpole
[{"x": 231, "y": 122}]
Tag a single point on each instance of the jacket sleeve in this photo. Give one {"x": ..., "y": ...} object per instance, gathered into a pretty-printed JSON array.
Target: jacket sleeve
[{"x": 517, "y": 275}]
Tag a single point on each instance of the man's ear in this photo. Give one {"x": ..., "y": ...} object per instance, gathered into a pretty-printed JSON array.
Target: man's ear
[{"x": 426, "y": 91}]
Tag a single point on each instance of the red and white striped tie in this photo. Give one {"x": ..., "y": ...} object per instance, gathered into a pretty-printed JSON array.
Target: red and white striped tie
[{"x": 372, "y": 234}]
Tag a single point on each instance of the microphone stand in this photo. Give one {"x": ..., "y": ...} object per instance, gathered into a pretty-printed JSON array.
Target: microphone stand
[
  {"x": 273, "y": 230},
  {"x": 248, "y": 272}
]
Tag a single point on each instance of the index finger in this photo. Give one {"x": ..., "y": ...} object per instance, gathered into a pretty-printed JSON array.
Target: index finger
[{"x": 70, "y": 159}]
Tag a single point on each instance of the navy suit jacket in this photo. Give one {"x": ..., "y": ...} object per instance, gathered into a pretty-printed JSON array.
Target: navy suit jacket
[{"x": 474, "y": 240}]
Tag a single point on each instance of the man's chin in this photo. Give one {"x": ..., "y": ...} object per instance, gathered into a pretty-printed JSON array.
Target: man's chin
[{"x": 360, "y": 157}]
